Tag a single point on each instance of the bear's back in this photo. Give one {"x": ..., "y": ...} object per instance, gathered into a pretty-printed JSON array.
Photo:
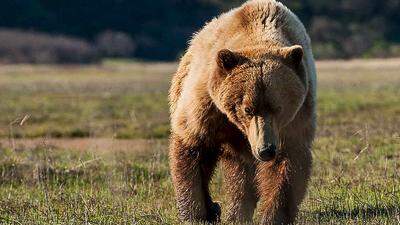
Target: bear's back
[{"x": 256, "y": 22}]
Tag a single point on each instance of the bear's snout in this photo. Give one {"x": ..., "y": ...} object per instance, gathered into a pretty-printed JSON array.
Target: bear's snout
[{"x": 267, "y": 153}]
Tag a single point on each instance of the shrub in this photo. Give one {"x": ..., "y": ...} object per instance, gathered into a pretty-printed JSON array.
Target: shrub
[
  {"x": 18, "y": 46},
  {"x": 115, "y": 44}
]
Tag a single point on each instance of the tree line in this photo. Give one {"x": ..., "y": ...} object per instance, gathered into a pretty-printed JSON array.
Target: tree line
[{"x": 160, "y": 29}]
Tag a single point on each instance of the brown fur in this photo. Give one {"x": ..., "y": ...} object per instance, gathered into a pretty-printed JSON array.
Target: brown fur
[{"x": 218, "y": 99}]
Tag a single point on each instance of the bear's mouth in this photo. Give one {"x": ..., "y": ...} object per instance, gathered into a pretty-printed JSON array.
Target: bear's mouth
[{"x": 266, "y": 153}]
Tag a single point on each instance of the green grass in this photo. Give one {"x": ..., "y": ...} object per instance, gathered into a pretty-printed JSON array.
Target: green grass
[
  {"x": 57, "y": 186},
  {"x": 117, "y": 99},
  {"x": 355, "y": 178}
]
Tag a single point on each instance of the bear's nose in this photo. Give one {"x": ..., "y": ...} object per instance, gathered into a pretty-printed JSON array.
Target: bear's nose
[{"x": 267, "y": 153}]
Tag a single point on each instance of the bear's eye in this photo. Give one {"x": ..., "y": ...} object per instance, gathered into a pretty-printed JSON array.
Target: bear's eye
[{"x": 249, "y": 111}]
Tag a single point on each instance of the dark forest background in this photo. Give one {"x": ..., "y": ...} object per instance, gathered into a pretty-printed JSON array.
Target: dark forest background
[{"x": 56, "y": 31}]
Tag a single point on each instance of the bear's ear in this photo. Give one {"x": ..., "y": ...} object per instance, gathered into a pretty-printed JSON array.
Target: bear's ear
[
  {"x": 228, "y": 60},
  {"x": 292, "y": 55}
]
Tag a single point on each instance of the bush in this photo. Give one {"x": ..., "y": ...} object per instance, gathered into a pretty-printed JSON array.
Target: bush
[
  {"x": 327, "y": 51},
  {"x": 32, "y": 47},
  {"x": 115, "y": 44}
]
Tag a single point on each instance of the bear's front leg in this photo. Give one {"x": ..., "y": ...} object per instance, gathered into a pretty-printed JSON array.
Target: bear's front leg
[
  {"x": 191, "y": 172},
  {"x": 282, "y": 186},
  {"x": 240, "y": 185}
]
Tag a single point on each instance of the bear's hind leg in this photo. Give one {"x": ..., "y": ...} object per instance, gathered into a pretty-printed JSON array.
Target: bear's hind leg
[
  {"x": 191, "y": 173},
  {"x": 241, "y": 187}
]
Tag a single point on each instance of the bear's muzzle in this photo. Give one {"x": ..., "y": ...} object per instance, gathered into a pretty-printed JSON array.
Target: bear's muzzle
[{"x": 262, "y": 138}]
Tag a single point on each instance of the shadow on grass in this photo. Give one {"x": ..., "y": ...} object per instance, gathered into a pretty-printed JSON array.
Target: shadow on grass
[{"x": 365, "y": 213}]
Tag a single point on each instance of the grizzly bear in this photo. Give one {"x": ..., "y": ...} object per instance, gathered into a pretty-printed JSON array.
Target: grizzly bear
[{"x": 244, "y": 94}]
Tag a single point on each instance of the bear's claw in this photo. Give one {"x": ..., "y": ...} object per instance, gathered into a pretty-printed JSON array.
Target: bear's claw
[{"x": 214, "y": 213}]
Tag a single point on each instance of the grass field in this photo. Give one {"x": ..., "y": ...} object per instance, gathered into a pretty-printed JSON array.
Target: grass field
[{"x": 87, "y": 145}]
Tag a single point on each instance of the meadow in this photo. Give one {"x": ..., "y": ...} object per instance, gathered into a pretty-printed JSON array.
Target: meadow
[{"x": 88, "y": 145}]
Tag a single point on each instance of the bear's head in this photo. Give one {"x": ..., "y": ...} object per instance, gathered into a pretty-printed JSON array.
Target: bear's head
[{"x": 260, "y": 90}]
